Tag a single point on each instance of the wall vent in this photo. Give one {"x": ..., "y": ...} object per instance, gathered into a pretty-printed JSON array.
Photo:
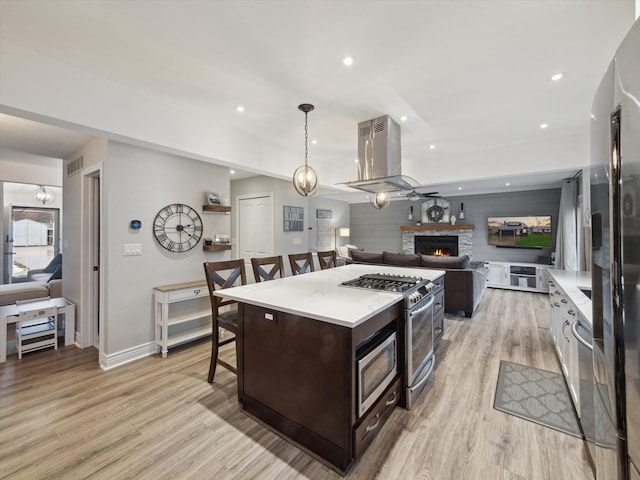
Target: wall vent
[{"x": 74, "y": 166}]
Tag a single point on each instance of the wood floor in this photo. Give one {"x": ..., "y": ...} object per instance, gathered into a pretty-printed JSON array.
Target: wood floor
[{"x": 61, "y": 417}]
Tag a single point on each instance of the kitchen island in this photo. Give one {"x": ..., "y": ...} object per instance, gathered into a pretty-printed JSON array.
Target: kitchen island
[{"x": 298, "y": 340}]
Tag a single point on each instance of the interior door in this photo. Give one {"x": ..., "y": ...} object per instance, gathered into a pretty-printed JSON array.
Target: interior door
[{"x": 255, "y": 226}]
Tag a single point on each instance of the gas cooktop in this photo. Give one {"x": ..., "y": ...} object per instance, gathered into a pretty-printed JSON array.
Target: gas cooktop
[{"x": 386, "y": 282}]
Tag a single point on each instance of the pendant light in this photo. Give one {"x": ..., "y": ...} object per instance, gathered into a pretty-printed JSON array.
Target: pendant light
[
  {"x": 305, "y": 179},
  {"x": 380, "y": 200},
  {"x": 43, "y": 196}
]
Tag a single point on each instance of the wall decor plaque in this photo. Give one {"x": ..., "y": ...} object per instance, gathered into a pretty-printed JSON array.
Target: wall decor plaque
[
  {"x": 293, "y": 218},
  {"x": 324, "y": 214}
]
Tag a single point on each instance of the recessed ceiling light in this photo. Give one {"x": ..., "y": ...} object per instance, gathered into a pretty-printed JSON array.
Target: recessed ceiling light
[
  {"x": 314, "y": 141},
  {"x": 459, "y": 188},
  {"x": 239, "y": 109},
  {"x": 403, "y": 118},
  {"x": 232, "y": 172},
  {"x": 556, "y": 76},
  {"x": 544, "y": 125},
  {"x": 432, "y": 147},
  {"x": 347, "y": 61},
  {"x": 507, "y": 184},
  {"x": 356, "y": 160}
]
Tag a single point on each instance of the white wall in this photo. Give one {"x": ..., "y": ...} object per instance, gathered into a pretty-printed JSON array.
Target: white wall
[{"x": 139, "y": 183}]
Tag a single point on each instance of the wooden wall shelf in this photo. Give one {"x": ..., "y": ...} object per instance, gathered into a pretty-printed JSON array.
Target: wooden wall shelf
[
  {"x": 215, "y": 248},
  {"x": 438, "y": 226},
  {"x": 216, "y": 208}
]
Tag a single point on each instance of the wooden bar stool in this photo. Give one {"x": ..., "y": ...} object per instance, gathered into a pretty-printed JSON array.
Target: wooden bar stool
[
  {"x": 301, "y": 263},
  {"x": 327, "y": 259},
  {"x": 222, "y": 275},
  {"x": 266, "y": 268}
]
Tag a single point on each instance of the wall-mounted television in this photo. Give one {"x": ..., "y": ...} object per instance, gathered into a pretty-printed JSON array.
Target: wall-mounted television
[{"x": 526, "y": 232}]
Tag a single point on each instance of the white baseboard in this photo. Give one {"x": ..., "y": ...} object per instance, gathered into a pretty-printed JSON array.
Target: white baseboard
[{"x": 112, "y": 360}]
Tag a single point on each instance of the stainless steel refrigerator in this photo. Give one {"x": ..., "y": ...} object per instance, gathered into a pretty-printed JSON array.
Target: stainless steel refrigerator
[{"x": 615, "y": 208}]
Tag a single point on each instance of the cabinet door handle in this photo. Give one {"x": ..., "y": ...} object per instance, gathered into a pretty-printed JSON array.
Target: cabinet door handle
[
  {"x": 564, "y": 300},
  {"x": 392, "y": 400},
  {"x": 571, "y": 312},
  {"x": 557, "y": 292},
  {"x": 566, "y": 337},
  {"x": 556, "y": 304},
  {"x": 438, "y": 330},
  {"x": 375, "y": 425},
  {"x": 196, "y": 291}
]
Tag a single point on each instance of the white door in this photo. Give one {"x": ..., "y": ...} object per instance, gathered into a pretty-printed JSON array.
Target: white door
[{"x": 255, "y": 227}]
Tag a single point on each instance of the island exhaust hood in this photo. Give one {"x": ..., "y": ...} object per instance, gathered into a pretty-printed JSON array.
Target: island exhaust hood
[{"x": 379, "y": 167}]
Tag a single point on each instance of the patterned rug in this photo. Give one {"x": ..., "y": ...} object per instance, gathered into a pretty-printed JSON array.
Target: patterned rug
[{"x": 536, "y": 395}]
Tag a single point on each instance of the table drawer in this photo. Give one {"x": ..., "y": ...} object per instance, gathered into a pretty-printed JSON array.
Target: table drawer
[
  {"x": 187, "y": 293},
  {"x": 373, "y": 421},
  {"x": 39, "y": 313}
]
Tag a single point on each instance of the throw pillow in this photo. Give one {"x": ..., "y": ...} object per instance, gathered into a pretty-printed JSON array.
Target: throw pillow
[
  {"x": 53, "y": 264},
  {"x": 443, "y": 262},
  {"x": 57, "y": 275},
  {"x": 409, "y": 260},
  {"x": 366, "y": 257}
]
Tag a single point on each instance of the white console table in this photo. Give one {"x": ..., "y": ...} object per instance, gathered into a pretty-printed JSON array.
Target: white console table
[
  {"x": 10, "y": 313},
  {"x": 186, "y": 321}
]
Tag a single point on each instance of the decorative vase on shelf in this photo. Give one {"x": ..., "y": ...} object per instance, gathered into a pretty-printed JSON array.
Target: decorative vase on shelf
[{"x": 452, "y": 219}]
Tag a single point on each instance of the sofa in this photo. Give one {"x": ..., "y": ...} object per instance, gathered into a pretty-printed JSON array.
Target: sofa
[
  {"x": 464, "y": 281},
  {"x": 12, "y": 292}
]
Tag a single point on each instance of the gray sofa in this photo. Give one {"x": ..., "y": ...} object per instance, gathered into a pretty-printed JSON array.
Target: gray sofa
[
  {"x": 464, "y": 282},
  {"x": 12, "y": 292}
]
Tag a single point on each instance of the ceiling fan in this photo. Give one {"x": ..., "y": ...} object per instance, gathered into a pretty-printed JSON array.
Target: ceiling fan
[{"x": 414, "y": 195}]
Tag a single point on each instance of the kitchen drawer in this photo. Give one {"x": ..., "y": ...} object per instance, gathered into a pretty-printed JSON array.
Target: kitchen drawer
[
  {"x": 373, "y": 421},
  {"x": 438, "y": 327},
  {"x": 187, "y": 293},
  {"x": 438, "y": 303}
]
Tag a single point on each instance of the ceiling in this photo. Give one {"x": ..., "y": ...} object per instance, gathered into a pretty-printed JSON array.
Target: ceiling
[{"x": 471, "y": 76}]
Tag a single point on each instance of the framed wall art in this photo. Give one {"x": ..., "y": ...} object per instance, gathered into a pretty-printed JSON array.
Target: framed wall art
[{"x": 293, "y": 218}]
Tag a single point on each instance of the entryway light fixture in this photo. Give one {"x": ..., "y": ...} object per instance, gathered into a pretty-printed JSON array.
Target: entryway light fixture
[
  {"x": 305, "y": 179},
  {"x": 380, "y": 200},
  {"x": 43, "y": 196}
]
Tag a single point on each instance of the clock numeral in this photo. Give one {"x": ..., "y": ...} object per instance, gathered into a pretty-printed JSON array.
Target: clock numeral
[
  {"x": 198, "y": 228},
  {"x": 162, "y": 238},
  {"x": 179, "y": 208},
  {"x": 170, "y": 244}
]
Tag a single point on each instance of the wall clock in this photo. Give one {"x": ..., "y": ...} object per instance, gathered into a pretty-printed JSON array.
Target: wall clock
[
  {"x": 177, "y": 227},
  {"x": 435, "y": 210}
]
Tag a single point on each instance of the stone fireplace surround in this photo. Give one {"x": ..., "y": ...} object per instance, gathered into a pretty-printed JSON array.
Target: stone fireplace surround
[{"x": 464, "y": 233}]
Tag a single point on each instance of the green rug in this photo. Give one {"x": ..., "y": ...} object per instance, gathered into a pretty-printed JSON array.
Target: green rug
[{"x": 536, "y": 395}]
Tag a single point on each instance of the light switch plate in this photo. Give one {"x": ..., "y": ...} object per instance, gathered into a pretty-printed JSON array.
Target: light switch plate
[{"x": 132, "y": 249}]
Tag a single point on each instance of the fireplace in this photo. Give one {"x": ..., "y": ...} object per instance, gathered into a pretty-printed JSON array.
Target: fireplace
[{"x": 446, "y": 245}]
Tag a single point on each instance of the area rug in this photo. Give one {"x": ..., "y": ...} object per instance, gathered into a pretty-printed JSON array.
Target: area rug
[{"x": 536, "y": 395}]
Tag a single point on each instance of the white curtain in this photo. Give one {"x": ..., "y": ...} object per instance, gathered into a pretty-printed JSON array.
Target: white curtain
[{"x": 567, "y": 237}]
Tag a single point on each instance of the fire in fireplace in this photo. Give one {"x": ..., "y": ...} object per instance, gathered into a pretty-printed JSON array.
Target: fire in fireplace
[{"x": 444, "y": 245}]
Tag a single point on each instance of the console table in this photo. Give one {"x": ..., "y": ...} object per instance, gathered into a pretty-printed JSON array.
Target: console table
[
  {"x": 182, "y": 313},
  {"x": 10, "y": 313}
]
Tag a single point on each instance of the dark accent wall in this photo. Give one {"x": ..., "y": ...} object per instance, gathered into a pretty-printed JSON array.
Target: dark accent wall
[{"x": 378, "y": 230}]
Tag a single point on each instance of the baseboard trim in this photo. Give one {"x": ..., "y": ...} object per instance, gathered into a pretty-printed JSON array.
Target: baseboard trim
[{"x": 112, "y": 360}]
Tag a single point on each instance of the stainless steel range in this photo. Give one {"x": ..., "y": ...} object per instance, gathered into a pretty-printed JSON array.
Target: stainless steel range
[{"x": 418, "y": 326}]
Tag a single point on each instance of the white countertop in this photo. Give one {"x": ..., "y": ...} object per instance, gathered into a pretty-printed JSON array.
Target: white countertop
[
  {"x": 571, "y": 283},
  {"x": 318, "y": 295}
]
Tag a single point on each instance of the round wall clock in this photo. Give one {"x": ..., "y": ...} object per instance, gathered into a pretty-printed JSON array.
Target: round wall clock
[{"x": 177, "y": 227}]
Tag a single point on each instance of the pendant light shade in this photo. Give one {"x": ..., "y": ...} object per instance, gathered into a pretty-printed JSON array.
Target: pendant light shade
[
  {"x": 305, "y": 178},
  {"x": 380, "y": 200},
  {"x": 43, "y": 196}
]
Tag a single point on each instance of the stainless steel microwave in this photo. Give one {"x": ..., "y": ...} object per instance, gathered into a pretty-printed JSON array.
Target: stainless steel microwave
[{"x": 377, "y": 366}]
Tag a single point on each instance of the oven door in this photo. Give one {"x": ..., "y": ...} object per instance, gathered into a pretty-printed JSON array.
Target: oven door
[
  {"x": 376, "y": 371},
  {"x": 419, "y": 354}
]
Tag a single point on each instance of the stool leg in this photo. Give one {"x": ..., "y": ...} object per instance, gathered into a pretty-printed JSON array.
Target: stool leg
[{"x": 214, "y": 353}]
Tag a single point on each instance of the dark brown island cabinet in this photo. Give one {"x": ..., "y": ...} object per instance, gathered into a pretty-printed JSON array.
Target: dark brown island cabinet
[{"x": 298, "y": 376}]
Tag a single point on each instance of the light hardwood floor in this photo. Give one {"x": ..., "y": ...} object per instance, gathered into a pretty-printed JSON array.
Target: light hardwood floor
[{"x": 61, "y": 417}]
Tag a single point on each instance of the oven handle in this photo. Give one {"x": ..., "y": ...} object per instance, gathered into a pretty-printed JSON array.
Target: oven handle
[
  {"x": 580, "y": 338},
  {"x": 421, "y": 309},
  {"x": 427, "y": 374}
]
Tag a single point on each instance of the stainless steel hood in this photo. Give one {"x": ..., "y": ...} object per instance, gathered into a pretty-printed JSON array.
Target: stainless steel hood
[{"x": 379, "y": 168}]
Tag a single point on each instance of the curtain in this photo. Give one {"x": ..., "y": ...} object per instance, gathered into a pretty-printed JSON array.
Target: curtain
[{"x": 567, "y": 237}]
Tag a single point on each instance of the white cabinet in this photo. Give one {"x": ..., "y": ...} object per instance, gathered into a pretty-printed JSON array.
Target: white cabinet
[
  {"x": 182, "y": 313},
  {"x": 517, "y": 276},
  {"x": 498, "y": 275},
  {"x": 563, "y": 316}
]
